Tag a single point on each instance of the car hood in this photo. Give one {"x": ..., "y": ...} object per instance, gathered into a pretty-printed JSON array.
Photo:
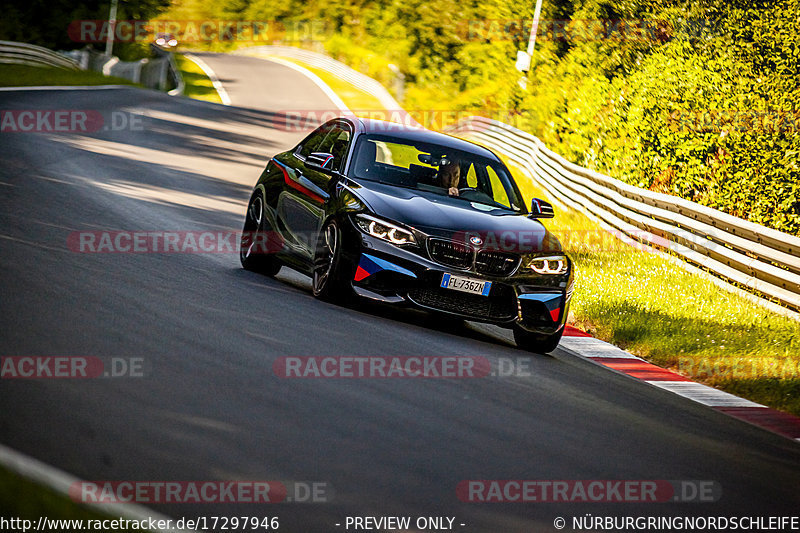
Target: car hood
[{"x": 457, "y": 219}]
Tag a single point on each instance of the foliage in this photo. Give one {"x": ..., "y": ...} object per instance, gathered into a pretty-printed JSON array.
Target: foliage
[
  {"x": 697, "y": 99},
  {"x": 46, "y": 22}
]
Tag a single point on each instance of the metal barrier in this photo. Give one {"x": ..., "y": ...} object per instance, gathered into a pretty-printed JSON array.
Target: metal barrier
[
  {"x": 174, "y": 73},
  {"x": 761, "y": 259},
  {"x": 159, "y": 73},
  {"x": 29, "y": 54}
]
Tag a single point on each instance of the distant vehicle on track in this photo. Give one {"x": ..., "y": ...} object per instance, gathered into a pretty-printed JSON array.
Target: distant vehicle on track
[
  {"x": 408, "y": 216},
  {"x": 166, "y": 40}
]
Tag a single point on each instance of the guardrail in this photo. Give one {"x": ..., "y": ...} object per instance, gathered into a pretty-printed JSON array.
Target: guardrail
[
  {"x": 328, "y": 64},
  {"x": 177, "y": 78},
  {"x": 168, "y": 76},
  {"x": 159, "y": 73},
  {"x": 761, "y": 259},
  {"x": 29, "y": 54}
]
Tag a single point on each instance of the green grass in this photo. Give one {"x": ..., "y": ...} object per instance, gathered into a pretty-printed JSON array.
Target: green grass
[
  {"x": 197, "y": 84},
  {"x": 655, "y": 309},
  {"x": 27, "y": 76},
  {"x": 22, "y": 498},
  {"x": 358, "y": 101}
]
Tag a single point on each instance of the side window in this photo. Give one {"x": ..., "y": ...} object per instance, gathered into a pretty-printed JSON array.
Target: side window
[
  {"x": 498, "y": 190},
  {"x": 336, "y": 143},
  {"x": 310, "y": 143},
  {"x": 472, "y": 178}
]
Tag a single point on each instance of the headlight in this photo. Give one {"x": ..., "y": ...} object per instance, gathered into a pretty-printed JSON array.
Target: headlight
[
  {"x": 384, "y": 230},
  {"x": 552, "y": 264}
]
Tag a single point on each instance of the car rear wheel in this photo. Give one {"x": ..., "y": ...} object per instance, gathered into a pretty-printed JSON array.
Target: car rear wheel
[
  {"x": 327, "y": 281},
  {"x": 534, "y": 342},
  {"x": 257, "y": 246}
]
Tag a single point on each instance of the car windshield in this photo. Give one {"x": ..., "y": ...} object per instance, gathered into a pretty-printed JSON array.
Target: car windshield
[{"x": 435, "y": 169}]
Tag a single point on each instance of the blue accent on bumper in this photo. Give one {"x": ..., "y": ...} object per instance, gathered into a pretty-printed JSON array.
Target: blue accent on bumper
[
  {"x": 545, "y": 298},
  {"x": 382, "y": 264}
]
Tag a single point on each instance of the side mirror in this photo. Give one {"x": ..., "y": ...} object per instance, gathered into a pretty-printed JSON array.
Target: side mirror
[
  {"x": 541, "y": 209},
  {"x": 320, "y": 161}
]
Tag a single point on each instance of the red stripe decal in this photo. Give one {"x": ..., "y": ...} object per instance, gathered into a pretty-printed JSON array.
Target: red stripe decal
[
  {"x": 360, "y": 274},
  {"x": 296, "y": 186}
]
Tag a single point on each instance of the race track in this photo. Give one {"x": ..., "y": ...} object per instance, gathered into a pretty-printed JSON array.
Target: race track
[{"x": 210, "y": 406}]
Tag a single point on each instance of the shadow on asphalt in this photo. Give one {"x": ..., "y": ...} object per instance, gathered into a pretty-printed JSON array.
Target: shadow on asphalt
[{"x": 301, "y": 285}]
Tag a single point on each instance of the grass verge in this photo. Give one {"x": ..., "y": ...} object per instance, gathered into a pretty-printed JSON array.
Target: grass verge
[
  {"x": 676, "y": 319},
  {"x": 23, "y": 499},
  {"x": 28, "y": 76},
  {"x": 197, "y": 84}
]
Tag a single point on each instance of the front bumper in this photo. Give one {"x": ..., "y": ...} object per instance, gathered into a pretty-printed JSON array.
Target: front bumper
[{"x": 404, "y": 275}]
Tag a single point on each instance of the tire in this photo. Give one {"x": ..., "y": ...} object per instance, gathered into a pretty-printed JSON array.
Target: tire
[
  {"x": 327, "y": 280},
  {"x": 255, "y": 249},
  {"x": 534, "y": 342}
]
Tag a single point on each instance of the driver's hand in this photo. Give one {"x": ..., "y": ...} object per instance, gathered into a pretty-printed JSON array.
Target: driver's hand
[{"x": 452, "y": 191}]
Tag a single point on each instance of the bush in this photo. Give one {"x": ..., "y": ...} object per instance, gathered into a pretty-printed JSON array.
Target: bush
[{"x": 669, "y": 107}]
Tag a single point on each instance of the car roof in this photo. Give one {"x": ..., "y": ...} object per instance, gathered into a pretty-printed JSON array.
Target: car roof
[{"x": 419, "y": 134}]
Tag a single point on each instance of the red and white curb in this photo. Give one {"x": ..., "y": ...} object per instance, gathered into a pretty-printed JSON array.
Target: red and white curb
[{"x": 610, "y": 356}]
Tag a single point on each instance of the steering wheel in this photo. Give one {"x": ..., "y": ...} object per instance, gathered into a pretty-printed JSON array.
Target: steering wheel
[{"x": 468, "y": 190}]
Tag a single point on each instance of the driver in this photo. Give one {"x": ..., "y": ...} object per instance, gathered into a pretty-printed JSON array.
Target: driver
[{"x": 450, "y": 175}]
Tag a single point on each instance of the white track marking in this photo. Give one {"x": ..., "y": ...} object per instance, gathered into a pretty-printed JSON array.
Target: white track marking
[
  {"x": 703, "y": 394},
  {"x": 591, "y": 347},
  {"x": 314, "y": 78},
  {"x": 223, "y": 94}
]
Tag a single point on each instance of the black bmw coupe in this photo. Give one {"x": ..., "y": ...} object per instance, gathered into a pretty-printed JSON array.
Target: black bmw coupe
[{"x": 412, "y": 217}]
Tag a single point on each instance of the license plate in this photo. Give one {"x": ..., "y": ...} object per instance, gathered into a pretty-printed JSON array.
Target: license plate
[{"x": 460, "y": 283}]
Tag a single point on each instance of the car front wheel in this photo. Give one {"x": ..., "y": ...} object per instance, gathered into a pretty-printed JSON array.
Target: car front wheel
[{"x": 328, "y": 282}]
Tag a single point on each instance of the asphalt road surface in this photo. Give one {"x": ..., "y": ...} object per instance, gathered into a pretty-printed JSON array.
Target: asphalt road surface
[{"x": 210, "y": 406}]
